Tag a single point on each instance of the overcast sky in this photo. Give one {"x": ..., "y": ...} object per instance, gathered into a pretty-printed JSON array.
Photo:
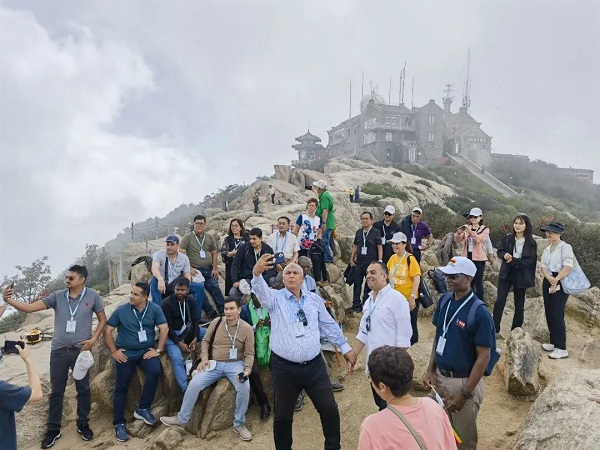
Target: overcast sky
[{"x": 113, "y": 112}]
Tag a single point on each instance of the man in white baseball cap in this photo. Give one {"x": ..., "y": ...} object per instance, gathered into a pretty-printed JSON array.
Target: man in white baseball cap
[
  {"x": 464, "y": 344},
  {"x": 387, "y": 227},
  {"x": 416, "y": 231}
]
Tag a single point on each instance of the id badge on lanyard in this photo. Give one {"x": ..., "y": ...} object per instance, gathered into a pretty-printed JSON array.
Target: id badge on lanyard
[
  {"x": 142, "y": 337},
  {"x": 72, "y": 324},
  {"x": 201, "y": 245},
  {"x": 232, "y": 351},
  {"x": 299, "y": 329}
]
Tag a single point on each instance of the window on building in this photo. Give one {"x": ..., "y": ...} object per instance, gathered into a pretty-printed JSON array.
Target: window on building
[
  {"x": 388, "y": 136},
  {"x": 430, "y": 137},
  {"x": 431, "y": 120}
]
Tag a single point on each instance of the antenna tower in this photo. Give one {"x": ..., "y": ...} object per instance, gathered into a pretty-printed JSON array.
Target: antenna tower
[
  {"x": 466, "y": 102},
  {"x": 447, "y": 100}
]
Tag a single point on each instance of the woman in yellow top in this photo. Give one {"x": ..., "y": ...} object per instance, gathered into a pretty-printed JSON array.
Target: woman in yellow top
[{"x": 405, "y": 276}]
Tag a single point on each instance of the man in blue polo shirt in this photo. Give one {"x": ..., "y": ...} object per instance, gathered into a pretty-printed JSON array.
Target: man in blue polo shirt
[
  {"x": 460, "y": 352},
  {"x": 416, "y": 230},
  {"x": 136, "y": 346},
  {"x": 14, "y": 398}
]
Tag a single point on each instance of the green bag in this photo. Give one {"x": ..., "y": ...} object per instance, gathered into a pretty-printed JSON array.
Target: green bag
[{"x": 261, "y": 336}]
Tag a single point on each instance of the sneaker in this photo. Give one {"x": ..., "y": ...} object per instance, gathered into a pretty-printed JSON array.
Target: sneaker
[
  {"x": 51, "y": 438},
  {"x": 172, "y": 420},
  {"x": 336, "y": 387},
  {"x": 558, "y": 354},
  {"x": 299, "y": 402},
  {"x": 86, "y": 433},
  {"x": 244, "y": 433},
  {"x": 145, "y": 415},
  {"x": 548, "y": 347},
  {"x": 121, "y": 432}
]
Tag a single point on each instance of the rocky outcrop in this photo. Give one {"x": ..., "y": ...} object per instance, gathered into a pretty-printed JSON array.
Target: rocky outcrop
[
  {"x": 585, "y": 307},
  {"x": 590, "y": 354},
  {"x": 565, "y": 415},
  {"x": 519, "y": 364}
]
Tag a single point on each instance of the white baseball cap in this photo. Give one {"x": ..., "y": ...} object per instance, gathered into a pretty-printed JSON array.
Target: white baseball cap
[
  {"x": 85, "y": 360},
  {"x": 417, "y": 210},
  {"x": 398, "y": 237},
  {"x": 321, "y": 184},
  {"x": 389, "y": 209},
  {"x": 476, "y": 212},
  {"x": 459, "y": 265}
]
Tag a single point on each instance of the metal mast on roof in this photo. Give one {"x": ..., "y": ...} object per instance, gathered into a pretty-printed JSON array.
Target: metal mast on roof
[
  {"x": 447, "y": 100},
  {"x": 466, "y": 102}
]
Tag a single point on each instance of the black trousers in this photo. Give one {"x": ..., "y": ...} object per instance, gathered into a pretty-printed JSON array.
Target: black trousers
[
  {"x": 256, "y": 384},
  {"x": 360, "y": 271},
  {"x": 381, "y": 403},
  {"x": 477, "y": 283},
  {"x": 228, "y": 282},
  {"x": 289, "y": 379},
  {"x": 414, "y": 315},
  {"x": 504, "y": 286},
  {"x": 61, "y": 361},
  {"x": 554, "y": 307}
]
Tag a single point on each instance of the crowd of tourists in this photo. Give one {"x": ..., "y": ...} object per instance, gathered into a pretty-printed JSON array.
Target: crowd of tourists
[{"x": 272, "y": 316}]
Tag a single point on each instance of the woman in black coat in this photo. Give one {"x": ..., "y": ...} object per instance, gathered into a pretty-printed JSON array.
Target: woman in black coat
[
  {"x": 518, "y": 252},
  {"x": 236, "y": 236}
]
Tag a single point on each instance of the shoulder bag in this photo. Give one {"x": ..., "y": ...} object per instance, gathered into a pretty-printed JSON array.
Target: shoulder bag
[
  {"x": 575, "y": 282},
  {"x": 408, "y": 425}
]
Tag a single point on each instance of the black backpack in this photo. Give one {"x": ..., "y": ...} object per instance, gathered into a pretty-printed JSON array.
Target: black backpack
[
  {"x": 424, "y": 293},
  {"x": 439, "y": 280}
]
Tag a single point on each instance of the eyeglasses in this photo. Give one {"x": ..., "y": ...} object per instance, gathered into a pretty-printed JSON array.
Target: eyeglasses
[
  {"x": 302, "y": 317},
  {"x": 454, "y": 276},
  {"x": 70, "y": 278},
  {"x": 368, "y": 323},
  {"x": 199, "y": 223}
]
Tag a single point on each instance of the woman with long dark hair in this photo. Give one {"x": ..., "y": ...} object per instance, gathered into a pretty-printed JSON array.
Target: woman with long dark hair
[
  {"x": 405, "y": 276},
  {"x": 518, "y": 252},
  {"x": 236, "y": 236},
  {"x": 558, "y": 260},
  {"x": 473, "y": 237}
]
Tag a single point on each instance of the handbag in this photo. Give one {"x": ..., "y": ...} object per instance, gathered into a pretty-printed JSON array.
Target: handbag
[
  {"x": 575, "y": 282},
  {"x": 408, "y": 425}
]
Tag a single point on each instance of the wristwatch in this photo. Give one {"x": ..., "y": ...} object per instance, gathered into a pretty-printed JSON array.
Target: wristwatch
[
  {"x": 466, "y": 394},
  {"x": 158, "y": 350}
]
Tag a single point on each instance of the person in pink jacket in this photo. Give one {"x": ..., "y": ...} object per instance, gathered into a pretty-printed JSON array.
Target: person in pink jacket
[{"x": 473, "y": 237}]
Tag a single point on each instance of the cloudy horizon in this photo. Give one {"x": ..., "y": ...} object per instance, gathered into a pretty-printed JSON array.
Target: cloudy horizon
[{"x": 114, "y": 112}]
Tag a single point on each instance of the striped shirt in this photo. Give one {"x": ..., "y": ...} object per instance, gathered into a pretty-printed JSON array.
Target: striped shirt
[{"x": 283, "y": 307}]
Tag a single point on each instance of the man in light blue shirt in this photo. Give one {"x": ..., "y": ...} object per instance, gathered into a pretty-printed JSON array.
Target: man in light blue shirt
[{"x": 296, "y": 364}]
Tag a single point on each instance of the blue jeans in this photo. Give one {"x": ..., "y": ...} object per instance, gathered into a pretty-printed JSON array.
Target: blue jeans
[
  {"x": 202, "y": 303},
  {"x": 203, "y": 380},
  {"x": 123, "y": 374},
  {"x": 154, "y": 292},
  {"x": 212, "y": 286},
  {"x": 326, "y": 238},
  {"x": 176, "y": 356}
]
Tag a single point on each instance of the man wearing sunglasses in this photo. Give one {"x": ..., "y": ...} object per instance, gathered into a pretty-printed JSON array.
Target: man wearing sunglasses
[
  {"x": 298, "y": 319},
  {"x": 387, "y": 227},
  {"x": 73, "y": 311},
  {"x": 385, "y": 319},
  {"x": 416, "y": 230},
  {"x": 461, "y": 349}
]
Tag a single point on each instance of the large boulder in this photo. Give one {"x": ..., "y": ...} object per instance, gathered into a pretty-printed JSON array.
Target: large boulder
[
  {"x": 519, "y": 363},
  {"x": 565, "y": 415},
  {"x": 140, "y": 273},
  {"x": 585, "y": 307},
  {"x": 282, "y": 172},
  {"x": 220, "y": 407},
  {"x": 590, "y": 355}
]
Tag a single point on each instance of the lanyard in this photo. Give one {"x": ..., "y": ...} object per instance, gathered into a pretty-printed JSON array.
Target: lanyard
[
  {"x": 446, "y": 325},
  {"x": 277, "y": 242},
  {"x": 237, "y": 242},
  {"x": 78, "y": 303},
  {"x": 183, "y": 312},
  {"x": 143, "y": 315},
  {"x": 393, "y": 275},
  {"x": 257, "y": 255},
  {"x": 236, "y": 332},
  {"x": 198, "y": 240},
  {"x": 383, "y": 227},
  {"x": 372, "y": 305},
  {"x": 172, "y": 269},
  {"x": 365, "y": 237}
]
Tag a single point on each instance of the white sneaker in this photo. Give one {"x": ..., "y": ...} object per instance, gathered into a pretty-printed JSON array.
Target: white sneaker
[
  {"x": 548, "y": 347},
  {"x": 244, "y": 433},
  {"x": 558, "y": 354}
]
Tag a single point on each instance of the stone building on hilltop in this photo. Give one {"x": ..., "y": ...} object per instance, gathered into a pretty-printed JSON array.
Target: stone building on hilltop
[
  {"x": 308, "y": 148},
  {"x": 396, "y": 134}
]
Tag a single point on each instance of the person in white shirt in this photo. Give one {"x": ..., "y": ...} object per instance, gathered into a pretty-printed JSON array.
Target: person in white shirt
[
  {"x": 284, "y": 241},
  {"x": 385, "y": 319}
]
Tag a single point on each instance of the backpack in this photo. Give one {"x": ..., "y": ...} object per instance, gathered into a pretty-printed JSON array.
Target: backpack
[
  {"x": 439, "y": 280},
  {"x": 494, "y": 354},
  {"x": 424, "y": 293}
]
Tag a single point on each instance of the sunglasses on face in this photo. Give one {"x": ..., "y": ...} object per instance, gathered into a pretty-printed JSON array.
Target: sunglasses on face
[
  {"x": 454, "y": 276},
  {"x": 70, "y": 278},
  {"x": 302, "y": 317},
  {"x": 386, "y": 214}
]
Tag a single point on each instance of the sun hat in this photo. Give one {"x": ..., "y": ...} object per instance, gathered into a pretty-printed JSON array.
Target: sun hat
[{"x": 554, "y": 227}]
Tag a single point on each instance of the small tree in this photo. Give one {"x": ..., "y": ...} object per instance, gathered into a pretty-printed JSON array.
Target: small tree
[{"x": 32, "y": 282}]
